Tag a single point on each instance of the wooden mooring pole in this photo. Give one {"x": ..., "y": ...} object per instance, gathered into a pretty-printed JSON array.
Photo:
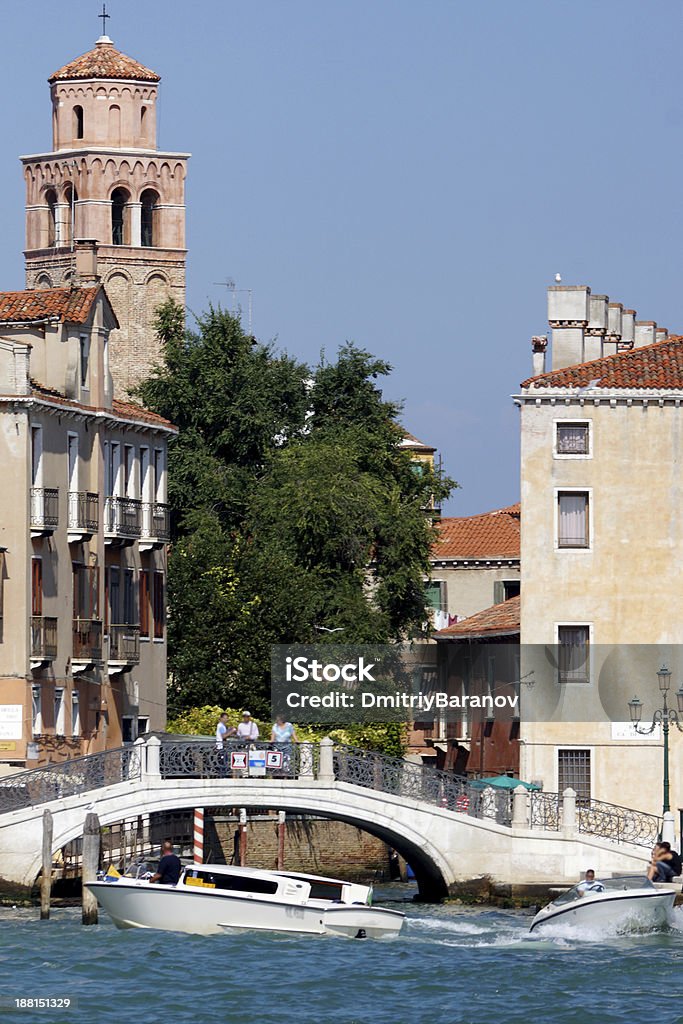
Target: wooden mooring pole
[
  {"x": 243, "y": 836},
  {"x": 281, "y": 817},
  {"x": 91, "y": 862},
  {"x": 46, "y": 873}
]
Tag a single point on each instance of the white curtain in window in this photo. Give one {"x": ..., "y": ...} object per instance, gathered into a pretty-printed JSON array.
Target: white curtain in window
[
  {"x": 573, "y": 438},
  {"x": 573, "y": 526}
]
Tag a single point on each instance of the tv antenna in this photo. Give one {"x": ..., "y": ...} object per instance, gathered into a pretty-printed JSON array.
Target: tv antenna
[{"x": 232, "y": 287}]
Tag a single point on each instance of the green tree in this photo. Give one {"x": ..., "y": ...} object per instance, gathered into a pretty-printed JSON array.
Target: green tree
[{"x": 293, "y": 506}]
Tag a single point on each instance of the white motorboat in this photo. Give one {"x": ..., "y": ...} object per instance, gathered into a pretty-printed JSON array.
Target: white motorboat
[
  {"x": 626, "y": 903},
  {"x": 213, "y": 898}
]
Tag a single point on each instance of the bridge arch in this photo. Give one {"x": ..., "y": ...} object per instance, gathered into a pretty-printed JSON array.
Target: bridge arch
[{"x": 429, "y": 863}]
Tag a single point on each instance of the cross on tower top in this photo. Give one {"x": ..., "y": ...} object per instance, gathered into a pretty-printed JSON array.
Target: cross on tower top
[{"x": 104, "y": 17}]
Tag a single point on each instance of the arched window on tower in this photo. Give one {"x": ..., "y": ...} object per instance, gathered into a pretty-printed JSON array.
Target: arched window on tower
[
  {"x": 51, "y": 202},
  {"x": 149, "y": 213},
  {"x": 70, "y": 199},
  {"x": 119, "y": 216},
  {"x": 114, "y": 125},
  {"x": 143, "y": 122},
  {"x": 78, "y": 122}
]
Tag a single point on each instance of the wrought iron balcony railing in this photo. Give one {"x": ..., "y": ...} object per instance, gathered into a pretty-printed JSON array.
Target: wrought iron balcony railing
[
  {"x": 84, "y": 511},
  {"x": 87, "y": 640},
  {"x": 43, "y": 637},
  {"x": 156, "y": 521},
  {"x": 124, "y": 644},
  {"x": 122, "y": 517},
  {"x": 44, "y": 508}
]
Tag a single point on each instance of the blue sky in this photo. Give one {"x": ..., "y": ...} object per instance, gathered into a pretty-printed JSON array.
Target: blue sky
[{"x": 409, "y": 176}]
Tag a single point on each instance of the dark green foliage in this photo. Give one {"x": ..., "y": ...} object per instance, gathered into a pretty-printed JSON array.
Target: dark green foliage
[{"x": 293, "y": 506}]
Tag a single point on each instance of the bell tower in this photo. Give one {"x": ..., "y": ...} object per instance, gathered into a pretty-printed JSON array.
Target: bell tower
[{"x": 106, "y": 182}]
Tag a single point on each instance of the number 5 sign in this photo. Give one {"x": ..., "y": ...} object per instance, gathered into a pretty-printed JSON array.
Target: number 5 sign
[{"x": 274, "y": 759}]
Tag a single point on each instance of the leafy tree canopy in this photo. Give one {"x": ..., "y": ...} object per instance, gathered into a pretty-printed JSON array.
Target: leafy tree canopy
[{"x": 293, "y": 507}]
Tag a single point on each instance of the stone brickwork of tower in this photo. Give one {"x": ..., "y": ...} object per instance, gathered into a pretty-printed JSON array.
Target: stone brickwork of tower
[{"x": 105, "y": 180}]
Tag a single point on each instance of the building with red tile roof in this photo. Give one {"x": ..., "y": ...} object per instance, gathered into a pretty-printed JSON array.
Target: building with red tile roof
[
  {"x": 84, "y": 525},
  {"x": 475, "y": 562},
  {"x": 601, "y": 546}
]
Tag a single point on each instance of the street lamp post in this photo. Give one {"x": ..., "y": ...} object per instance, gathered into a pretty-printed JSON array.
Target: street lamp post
[{"x": 663, "y": 716}]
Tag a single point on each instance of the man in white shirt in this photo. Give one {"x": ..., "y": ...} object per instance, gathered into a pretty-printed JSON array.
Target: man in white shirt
[
  {"x": 590, "y": 884},
  {"x": 223, "y": 730},
  {"x": 247, "y": 729}
]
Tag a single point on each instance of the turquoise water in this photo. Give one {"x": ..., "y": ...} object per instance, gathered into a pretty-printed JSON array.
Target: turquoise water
[{"x": 452, "y": 965}]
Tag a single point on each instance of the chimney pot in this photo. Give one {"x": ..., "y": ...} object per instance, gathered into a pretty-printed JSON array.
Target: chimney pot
[{"x": 86, "y": 260}]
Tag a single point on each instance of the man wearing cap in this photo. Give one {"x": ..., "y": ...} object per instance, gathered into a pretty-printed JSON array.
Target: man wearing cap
[{"x": 247, "y": 729}]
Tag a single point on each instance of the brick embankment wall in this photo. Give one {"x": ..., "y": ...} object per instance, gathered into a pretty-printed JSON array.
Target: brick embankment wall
[{"x": 315, "y": 845}]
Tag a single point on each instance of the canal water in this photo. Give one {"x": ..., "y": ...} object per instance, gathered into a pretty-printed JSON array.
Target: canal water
[{"x": 452, "y": 964}]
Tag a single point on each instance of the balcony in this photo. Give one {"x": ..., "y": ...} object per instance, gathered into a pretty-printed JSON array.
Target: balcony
[
  {"x": 156, "y": 525},
  {"x": 43, "y": 640},
  {"x": 124, "y": 647},
  {"x": 84, "y": 515},
  {"x": 44, "y": 510},
  {"x": 122, "y": 520},
  {"x": 87, "y": 646}
]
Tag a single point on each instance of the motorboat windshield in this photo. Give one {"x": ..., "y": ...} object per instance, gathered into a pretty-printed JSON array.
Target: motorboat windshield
[{"x": 603, "y": 885}]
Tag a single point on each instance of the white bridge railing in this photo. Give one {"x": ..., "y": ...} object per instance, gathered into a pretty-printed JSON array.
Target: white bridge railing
[{"x": 154, "y": 761}]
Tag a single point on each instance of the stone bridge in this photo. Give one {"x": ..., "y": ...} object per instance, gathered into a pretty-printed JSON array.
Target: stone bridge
[{"x": 449, "y": 829}]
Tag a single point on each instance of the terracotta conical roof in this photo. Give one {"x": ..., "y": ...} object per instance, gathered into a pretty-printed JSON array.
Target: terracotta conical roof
[{"x": 104, "y": 61}]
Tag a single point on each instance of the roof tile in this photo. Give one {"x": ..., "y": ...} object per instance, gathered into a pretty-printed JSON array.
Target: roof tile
[
  {"x": 104, "y": 61},
  {"x": 122, "y": 410},
  {"x": 489, "y": 535},
  {"x": 498, "y": 620},
  {"x": 650, "y": 366},
  {"x": 67, "y": 305}
]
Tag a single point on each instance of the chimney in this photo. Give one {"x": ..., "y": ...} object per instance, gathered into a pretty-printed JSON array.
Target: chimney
[
  {"x": 613, "y": 336},
  {"x": 661, "y": 334},
  {"x": 597, "y": 328},
  {"x": 86, "y": 261},
  {"x": 628, "y": 328},
  {"x": 22, "y": 369},
  {"x": 569, "y": 316},
  {"x": 539, "y": 344},
  {"x": 645, "y": 333}
]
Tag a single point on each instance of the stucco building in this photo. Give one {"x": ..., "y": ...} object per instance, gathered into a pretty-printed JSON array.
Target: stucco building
[
  {"x": 84, "y": 521},
  {"x": 601, "y": 549},
  {"x": 475, "y": 578},
  {"x": 475, "y": 563}
]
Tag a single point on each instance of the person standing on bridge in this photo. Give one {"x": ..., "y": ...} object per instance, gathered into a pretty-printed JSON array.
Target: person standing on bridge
[
  {"x": 247, "y": 729},
  {"x": 284, "y": 733},
  {"x": 223, "y": 731},
  {"x": 169, "y": 868}
]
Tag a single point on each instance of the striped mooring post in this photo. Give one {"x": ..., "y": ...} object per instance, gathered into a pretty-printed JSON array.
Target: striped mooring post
[{"x": 198, "y": 845}]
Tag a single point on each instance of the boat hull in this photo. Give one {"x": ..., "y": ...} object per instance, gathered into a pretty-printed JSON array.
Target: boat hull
[
  {"x": 618, "y": 911},
  {"x": 167, "y": 908}
]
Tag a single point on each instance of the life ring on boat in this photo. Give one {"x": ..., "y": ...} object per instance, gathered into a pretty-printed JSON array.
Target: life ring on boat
[{"x": 462, "y": 804}]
